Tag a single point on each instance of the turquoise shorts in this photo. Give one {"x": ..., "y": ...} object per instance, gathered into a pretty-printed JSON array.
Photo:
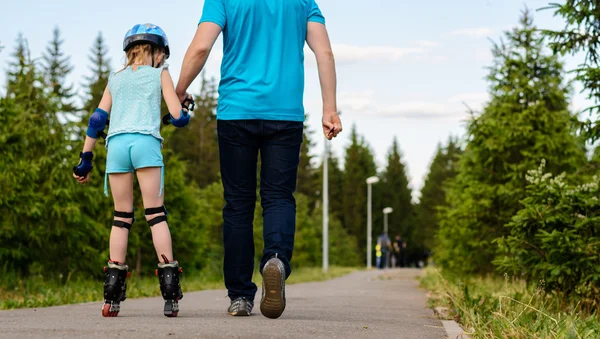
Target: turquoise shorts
[{"x": 130, "y": 151}]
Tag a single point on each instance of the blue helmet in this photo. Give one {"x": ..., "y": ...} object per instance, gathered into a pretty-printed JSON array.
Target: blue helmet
[{"x": 146, "y": 33}]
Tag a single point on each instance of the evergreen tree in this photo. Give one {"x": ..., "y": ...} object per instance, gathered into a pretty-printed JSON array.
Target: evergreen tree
[
  {"x": 100, "y": 68},
  {"x": 394, "y": 191},
  {"x": 580, "y": 34},
  {"x": 526, "y": 121},
  {"x": 197, "y": 144},
  {"x": 307, "y": 182},
  {"x": 397, "y": 194},
  {"x": 20, "y": 69},
  {"x": 309, "y": 236},
  {"x": 433, "y": 194},
  {"x": 359, "y": 165},
  {"x": 41, "y": 235},
  {"x": 57, "y": 67}
]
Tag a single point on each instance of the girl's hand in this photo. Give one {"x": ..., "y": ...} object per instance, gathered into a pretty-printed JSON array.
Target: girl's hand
[
  {"x": 82, "y": 180},
  {"x": 81, "y": 172}
]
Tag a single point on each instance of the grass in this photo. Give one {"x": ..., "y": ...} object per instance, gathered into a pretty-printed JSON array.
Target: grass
[
  {"x": 506, "y": 308},
  {"x": 37, "y": 292}
]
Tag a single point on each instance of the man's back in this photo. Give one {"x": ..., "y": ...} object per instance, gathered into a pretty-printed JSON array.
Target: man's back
[{"x": 262, "y": 73}]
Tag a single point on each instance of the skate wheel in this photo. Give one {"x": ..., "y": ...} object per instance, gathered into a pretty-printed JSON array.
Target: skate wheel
[
  {"x": 106, "y": 312},
  {"x": 171, "y": 308}
]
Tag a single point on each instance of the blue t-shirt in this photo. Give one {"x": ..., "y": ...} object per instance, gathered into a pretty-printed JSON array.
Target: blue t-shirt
[{"x": 262, "y": 72}]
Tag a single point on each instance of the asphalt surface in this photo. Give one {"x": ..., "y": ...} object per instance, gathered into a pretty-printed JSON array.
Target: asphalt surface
[{"x": 369, "y": 304}]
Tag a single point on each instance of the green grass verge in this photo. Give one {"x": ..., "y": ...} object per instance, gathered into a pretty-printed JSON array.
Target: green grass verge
[
  {"x": 507, "y": 308},
  {"x": 37, "y": 292}
]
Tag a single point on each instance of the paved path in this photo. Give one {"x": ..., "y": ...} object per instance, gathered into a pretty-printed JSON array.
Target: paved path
[{"x": 360, "y": 305}]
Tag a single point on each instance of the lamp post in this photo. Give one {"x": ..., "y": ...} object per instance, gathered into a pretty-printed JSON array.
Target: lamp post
[
  {"x": 325, "y": 209},
  {"x": 370, "y": 182},
  {"x": 326, "y": 205}
]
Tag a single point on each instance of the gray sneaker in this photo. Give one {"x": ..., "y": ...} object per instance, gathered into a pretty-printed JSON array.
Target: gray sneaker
[
  {"x": 272, "y": 303},
  {"x": 240, "y": 307}
]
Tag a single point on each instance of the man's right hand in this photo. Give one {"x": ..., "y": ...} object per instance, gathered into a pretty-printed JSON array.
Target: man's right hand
[{"x": 332, "y": 125}]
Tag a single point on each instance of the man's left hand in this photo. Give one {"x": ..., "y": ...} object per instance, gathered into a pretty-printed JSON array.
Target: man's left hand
[{"x": 184, "y": 96}]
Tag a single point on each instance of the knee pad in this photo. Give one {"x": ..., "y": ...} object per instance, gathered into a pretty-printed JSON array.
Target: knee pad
[
  {"x": 156, "y": 210},
  {"x": 123, "y": 224},
  {"x": 98, "y": 121}
]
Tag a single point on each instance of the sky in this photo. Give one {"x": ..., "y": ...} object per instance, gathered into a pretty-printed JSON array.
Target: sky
[{"x": 405, "y": 69}]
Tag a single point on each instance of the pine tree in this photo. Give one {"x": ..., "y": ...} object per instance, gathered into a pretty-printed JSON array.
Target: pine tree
[
  {"x": 100, "y": 68},
  {"x": 41, "y": 235},
  {"x": 307, "y": 176},
  {"x": 526, "y": 121},
  {"x": 57, "y": 67},
  {"x": 580, "y": 35},
  {"x": 433, "y": 194},
  {"x": 359, "y": 165},
  {"x": 397, "y": 194},
  {"x": 19, "y": 69}
]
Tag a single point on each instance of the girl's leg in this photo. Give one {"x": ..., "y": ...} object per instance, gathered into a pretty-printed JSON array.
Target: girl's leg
[
  {"x": 150, "y": 180},
  {"x": 121, "y": 186}
]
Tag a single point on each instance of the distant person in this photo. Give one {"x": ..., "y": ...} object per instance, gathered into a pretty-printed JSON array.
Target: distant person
[
  {"x": 261, "y": 111},
  {"x": 403, "y": 255},
  {"x": 133, "y": 99},
  {"x": 382, "y": 250},
  {"x": 396, "y": 247},
  {"x": 399, "y": 249}
]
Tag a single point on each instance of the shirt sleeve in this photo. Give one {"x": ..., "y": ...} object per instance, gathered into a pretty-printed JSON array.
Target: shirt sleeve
[
  {"x": 314, "y": 13},
  {"x": 214, "y": 11}
]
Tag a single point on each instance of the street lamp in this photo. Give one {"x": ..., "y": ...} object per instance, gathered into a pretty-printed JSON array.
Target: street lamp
[
  {"x": 386, "y": 211},
  {"x": 370, "y": 182}
]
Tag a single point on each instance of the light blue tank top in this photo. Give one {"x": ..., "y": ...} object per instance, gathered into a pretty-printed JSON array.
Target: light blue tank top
[{"x": 136, "y": 97}]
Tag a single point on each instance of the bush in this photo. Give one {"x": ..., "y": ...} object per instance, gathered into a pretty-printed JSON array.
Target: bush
[
  {"x": 556, "y": 237},
  {"x": 492, "y": 307}
]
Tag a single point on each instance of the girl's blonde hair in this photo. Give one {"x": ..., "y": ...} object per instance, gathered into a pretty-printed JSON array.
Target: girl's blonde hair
[{"x": 138, "y": 53}]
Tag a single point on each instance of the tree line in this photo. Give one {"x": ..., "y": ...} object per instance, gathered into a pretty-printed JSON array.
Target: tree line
[
  {"x": 521, "y": 195},
  {"x": 52, "y": 226}
]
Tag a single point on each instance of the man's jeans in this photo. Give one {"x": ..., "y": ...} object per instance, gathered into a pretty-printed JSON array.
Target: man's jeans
[{"x": 239, "y": 144}]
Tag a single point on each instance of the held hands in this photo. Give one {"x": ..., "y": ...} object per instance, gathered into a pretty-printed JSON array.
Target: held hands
[
  {"x": 187, "y": 104},
  {"x": 332, "y": 125},
  {"x": 81, "y": 172}
]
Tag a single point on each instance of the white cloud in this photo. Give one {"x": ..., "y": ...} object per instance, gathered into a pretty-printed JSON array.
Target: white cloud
[
  {"x": 451, "y": 109},
  {"x": 474, "y": 32},
  {"x": 427, "y": 43},
  {"x": 351, "y": 53},
  {"x": 475, "y": 98}
]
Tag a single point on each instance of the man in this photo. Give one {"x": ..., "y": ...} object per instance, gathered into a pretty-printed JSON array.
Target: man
[
  {"x": 383, "y": 247},
  {"x": 261, "y": 110},
  {"x": 398, "y": 251}
]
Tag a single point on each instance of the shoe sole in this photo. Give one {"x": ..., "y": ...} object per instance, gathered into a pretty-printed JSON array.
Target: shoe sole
[
  {"x": 273, "y": 303},
  {"x": 239, "y": 314}
]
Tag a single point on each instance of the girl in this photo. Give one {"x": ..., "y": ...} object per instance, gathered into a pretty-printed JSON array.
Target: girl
[{"x": 133, "y": 97}]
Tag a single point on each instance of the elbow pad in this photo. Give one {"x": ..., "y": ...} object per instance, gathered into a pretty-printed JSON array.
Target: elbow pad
[{"x": 97, "y": 123}]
